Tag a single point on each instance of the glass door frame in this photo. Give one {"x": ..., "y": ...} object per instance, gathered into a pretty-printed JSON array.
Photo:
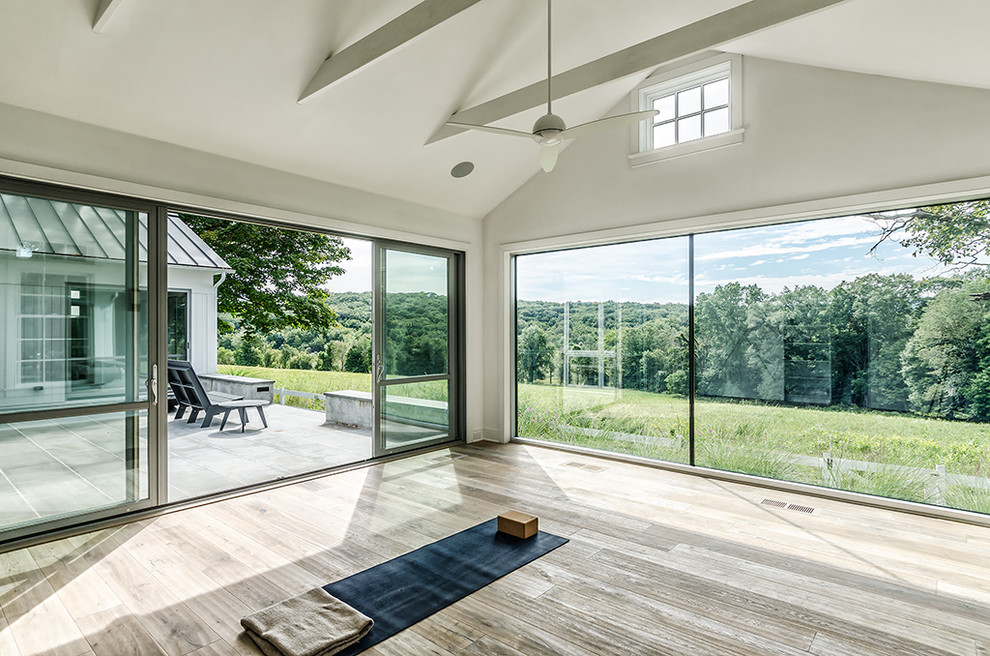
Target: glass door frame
[
  {"x": 455, "y": 346},
  {"x": 156, "y": 263}
]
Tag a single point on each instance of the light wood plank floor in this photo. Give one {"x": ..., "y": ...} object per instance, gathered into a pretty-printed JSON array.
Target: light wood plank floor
[{"x": 657, "y": 563}]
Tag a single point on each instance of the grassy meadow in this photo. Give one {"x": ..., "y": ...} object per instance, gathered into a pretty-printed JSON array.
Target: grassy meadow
[
  {"x": 317, "y": 382},
  {"x": 748, "y": 437},
  {"x": 763, "y": 439}
]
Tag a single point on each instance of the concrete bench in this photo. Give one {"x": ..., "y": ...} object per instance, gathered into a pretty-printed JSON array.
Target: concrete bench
[
  {"x": 239, "y": 386},
  {"x": 350, "y": 407},
  {"x": 356, "y": 408}
]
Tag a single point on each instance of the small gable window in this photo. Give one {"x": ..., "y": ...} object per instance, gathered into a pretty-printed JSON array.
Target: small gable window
[{"x": 699, "y": 108}]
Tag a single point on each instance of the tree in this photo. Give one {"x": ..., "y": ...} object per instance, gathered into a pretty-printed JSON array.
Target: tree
[
  {"x": 945, "y": 356},
  {"x": 324, "y": 359},
  {"x": 358, "y": 359},
  {"x": 300, "y": 361},
  {"x": 956, "y": 235},
  {"x": 727, "y": 321},
  {"x": 248, "y": 354},
  {"x": 535, "y": 355},
  {"x": 279, "y": 275}
]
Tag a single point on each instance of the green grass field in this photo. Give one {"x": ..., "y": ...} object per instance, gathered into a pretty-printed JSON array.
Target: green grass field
[
  {"x": 761, "y": 439},
  {"x": 317, "y": 382},
  {"x": 748, "y": 437}
]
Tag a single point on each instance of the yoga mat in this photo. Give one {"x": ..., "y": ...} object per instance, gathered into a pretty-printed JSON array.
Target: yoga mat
[{"x": 402, "y": 591}]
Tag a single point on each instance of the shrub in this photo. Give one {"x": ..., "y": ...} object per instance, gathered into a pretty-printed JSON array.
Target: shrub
[
  {"x": 225, "y": 356},
  {"x": 301, "y": 361}
]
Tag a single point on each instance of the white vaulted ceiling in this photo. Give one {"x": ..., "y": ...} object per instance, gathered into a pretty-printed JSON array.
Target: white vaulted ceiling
[{"x": 225, "y": 76}]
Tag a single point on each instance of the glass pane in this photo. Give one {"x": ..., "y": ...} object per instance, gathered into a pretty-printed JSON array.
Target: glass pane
[
  {"x": 716, "y": 93},
  {"x": 664, "y": 135},
  {"x": 689, "y": 129},
  {"x": 689, "y": 101},
  {"x": 415, "y": 314},
  {"x": 820, "y": 362},
  {"x": 602, "y": 351},
  {"x": 666, "y": 107},
  {"x": 75, "y": 277},
  {"x": 177, "y": 325},
  {"x": 414, "y": 413},
  {"x": 717, "y": 122},
  {"x": 62, "y": 467}
]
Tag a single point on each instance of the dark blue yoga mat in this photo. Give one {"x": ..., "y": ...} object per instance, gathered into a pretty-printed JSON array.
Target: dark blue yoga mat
[{"x": 402, "y": 591}]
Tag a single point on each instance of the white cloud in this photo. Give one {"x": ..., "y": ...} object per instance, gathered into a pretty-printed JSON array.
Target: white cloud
[
  {"x": 357, "y": 270},
  {"x": 799, "y": 233},
  {"x": 758, "y": 250},
  {"x": 670, "y": 280},
  {"x": 805, "y": 256}
]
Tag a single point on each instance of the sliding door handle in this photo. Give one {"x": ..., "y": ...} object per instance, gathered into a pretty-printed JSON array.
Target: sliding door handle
[{"x": 152, "y": 383}]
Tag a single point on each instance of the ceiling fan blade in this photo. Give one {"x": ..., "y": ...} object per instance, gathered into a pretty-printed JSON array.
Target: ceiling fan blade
[
  {"x": 492, "y": 129},
  {"x": 607, "y": 123},
  {"x": 548, "y": 156}
]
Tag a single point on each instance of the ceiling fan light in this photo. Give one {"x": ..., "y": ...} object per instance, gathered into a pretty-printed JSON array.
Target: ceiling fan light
[{"x": 549, "y": 123}]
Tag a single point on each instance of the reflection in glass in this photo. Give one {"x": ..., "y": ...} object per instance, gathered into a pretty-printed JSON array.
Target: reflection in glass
[
  {"x": 415, "y": 314},
  {"x": 57, "y": 468},
  {"x": 601, "y": 357},
  {"x": 73, "y": 279},
  {"x": 820, "y": 363},
  {"x": 415, "y": 412}
]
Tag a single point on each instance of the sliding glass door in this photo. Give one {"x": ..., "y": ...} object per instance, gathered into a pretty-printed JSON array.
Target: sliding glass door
[
  {"x": 415, "y": 348},
  {"x": 77, "y": 358}
]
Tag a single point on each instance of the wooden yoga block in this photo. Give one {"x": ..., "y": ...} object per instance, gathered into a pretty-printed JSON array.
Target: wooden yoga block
[{"x": 518, "y": 524}]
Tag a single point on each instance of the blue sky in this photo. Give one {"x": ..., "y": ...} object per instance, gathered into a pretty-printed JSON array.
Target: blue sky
[{"x": 822, "y": 253}]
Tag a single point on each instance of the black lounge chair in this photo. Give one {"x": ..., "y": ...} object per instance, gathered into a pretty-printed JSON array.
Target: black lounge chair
[{"x": 189, "y": 393}]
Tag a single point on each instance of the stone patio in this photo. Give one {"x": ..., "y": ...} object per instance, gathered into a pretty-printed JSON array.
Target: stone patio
[
  {"x": 59, "y": 467},
  {"x": 207, "y": 460}
]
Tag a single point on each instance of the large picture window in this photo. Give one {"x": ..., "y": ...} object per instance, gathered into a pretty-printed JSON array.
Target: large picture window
[
  {"x": 848, "y": 353},
  {"x": 601, "y": 358}
]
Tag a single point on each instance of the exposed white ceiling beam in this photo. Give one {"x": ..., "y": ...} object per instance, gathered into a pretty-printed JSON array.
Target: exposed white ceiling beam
[
  {"x": 387, "y": 38},
  {"x": 104, "y": 11},
  {"x": 696, "y": 37}
]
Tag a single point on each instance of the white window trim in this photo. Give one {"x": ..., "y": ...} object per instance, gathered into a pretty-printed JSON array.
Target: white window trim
[{"x": 699, "y": 72}]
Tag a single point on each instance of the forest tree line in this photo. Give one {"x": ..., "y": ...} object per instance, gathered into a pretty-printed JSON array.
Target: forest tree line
[
  {"x": 886, "y": 342},
  {"x": 416, "y": 326}
]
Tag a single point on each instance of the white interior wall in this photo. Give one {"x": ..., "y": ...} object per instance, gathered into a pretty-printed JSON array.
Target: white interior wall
[
  {"x": 818, "y": 142},
  {"x": 48, "y": 148}
]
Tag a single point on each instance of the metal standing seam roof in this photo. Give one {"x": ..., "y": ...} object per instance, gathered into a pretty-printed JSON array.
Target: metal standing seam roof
[{"x": 71, "y": 229}]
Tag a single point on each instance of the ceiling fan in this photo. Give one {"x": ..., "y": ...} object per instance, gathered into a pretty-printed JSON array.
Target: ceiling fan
[{"x": 550, "y": 130}]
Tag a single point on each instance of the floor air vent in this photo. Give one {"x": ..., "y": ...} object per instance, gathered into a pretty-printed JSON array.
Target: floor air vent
[
  {"x": 808, "y": 510},
  {"x": 774, "y": 503}
]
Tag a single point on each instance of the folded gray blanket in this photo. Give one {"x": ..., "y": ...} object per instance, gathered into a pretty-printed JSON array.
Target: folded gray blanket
[{"x": 314, "y": 623}]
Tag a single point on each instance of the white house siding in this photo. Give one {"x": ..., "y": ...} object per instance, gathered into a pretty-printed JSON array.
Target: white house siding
[{"x": 202, "y": 311}]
